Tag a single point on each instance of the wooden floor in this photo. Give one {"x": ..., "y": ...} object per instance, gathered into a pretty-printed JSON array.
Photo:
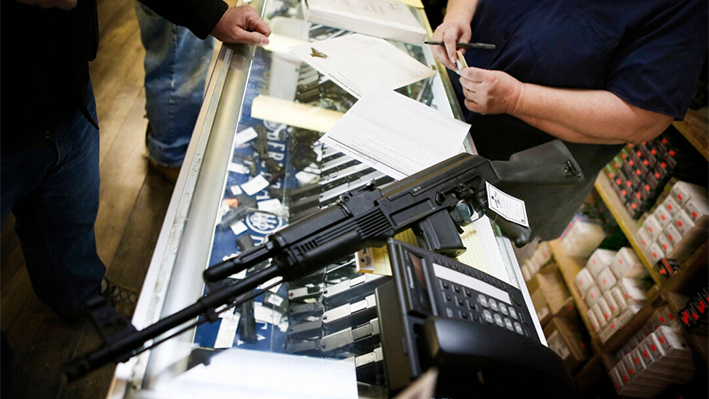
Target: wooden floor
[{"x": 133, "y": 203}]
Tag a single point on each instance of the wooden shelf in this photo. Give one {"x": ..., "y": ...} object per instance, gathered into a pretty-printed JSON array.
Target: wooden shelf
[
  {"x": 694, "y": 261},
  {"x": 689, "y": 270},
  {"x": 569, "y": 267},
  {"x": 657, "y": 297},
  {"x": 686, "y": 279},
  {"x": 627, "y": 224},
  {"x": 694, "y": 128}
]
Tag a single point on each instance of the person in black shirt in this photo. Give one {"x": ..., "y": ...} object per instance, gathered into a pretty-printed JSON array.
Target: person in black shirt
[{"x": 595, "y": 74}]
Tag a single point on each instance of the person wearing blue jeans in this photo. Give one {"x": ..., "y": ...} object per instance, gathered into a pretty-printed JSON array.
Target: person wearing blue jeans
[
  {"x": 50, "y": 136},
  {"x": 49, "y": 172},
  {"x": 53, "y": 191},
  {"x": 176, "y": 66}
]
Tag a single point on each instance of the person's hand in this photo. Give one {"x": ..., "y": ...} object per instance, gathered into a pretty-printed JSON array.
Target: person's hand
[
  {"x": 62, "y": 4},
  {"x": 242, "y": 24},
  {"x": 450, "y": 33},
  {"x": 490, "y": 92}
]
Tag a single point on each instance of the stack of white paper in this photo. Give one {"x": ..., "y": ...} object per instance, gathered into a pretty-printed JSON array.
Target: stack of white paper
[
  {"x": 395, "y": 134},
  {"x": 388, "y": 19},
  {"x": 358, "y": 62}
]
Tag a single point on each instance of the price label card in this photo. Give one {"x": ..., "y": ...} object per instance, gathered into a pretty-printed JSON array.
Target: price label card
[
  {"x": 507, "y": 206},
  {"x": 255, "y": 185},
  {"x": 238, "y": 168},
  {"x": 245, "y": 136}
]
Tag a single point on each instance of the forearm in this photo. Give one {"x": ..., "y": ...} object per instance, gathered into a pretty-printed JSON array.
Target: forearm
[
  {"x": 460, "y": 10},
  {"x": 586, "y": 116}
]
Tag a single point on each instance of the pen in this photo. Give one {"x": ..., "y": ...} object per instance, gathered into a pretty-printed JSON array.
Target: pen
[{"x": 484, "y": 46}]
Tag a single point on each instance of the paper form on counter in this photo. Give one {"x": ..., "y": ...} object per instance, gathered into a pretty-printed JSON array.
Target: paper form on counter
[
  {"x": 358, "y": 62},
  {"x": 395, "y": 134},
  {"x": 376, "y": 260}
]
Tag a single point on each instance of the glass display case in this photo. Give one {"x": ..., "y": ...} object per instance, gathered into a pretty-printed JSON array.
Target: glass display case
[{"x": 256, "y": 164}]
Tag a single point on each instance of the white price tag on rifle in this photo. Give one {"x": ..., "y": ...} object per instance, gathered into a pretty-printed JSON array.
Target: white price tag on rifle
[{"x": 507, "y": 206}]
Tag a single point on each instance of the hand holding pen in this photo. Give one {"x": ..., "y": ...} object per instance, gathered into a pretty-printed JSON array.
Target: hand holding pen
[
  {"x": 450, "y": 33},
  {"x": 459, "y": 60},
  {"x": 485, "y": 46}
]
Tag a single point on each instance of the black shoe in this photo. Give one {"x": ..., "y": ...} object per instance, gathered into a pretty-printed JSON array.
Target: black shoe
[
  {"x": 5, "y": 367},
  {"x": 120, "y": 298}
]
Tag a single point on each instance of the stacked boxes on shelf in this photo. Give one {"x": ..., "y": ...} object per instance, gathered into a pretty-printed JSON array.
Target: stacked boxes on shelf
[
  {"x": 662, "y": 316},
  {"x": 654, "y": 359},
  {"x": 674, "y": 215},
  {"x": 614, "y": 287},
  {"x": 540, "y": 257},
  {"x": 694, "y": 315},
  {"x": 639, "y": 173},
  {"x": 549, "y": 293},
  {"x": 582, "y": 236},
  {"x": 592, "y": 227},
  {"x": 555, "y": 309},
  {"x": 565, "y": 337}
]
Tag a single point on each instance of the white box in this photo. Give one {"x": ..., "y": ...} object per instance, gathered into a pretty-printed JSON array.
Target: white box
[
  {"x": 672, "y": 362},
  {"x": 666, "y": 317},
  {"x": 627, "y": 264},
  {"x": 616, "y": 379},
  {"x": 618, "y": 322},
  {"x": 682, "y": 192},
  {"x": 673, "y": 235},
  {"x": 525, "y": 273},
  {"x": 612, "y": 304},
  {"x": 545, "y": 250},
  {"x": 644, "y": 238},
  {"x": 634, "y": 291},
  {"x": 665, "y": 244},
  {"x": 637, "y": 358},
  {"x": 603, "y": 305},
  {"x": 655, "y": 251},
  {"x": 599, "y": 314},
  {"x": 593, "y": 320},
  {"x": 583, "y": 238},
  {"x": 669, "y": 338},
  {"x": 617, "y": 294},
  {"x": 662, "y": 216},
  {"x": 671, "y": 205},
  {"x": 696, "y": 208},
  {"x": 629, "y": 365},
  {"x": 593, "y": 295},
  {"x": 623, "y": 372},
  {"x": 606, "y": 279},
  {"x": 652, "y": 227},
  {"x": 683, "y": 222},
  {"x": 584, "y": 281},
  {"x": 599, "y": 259}
]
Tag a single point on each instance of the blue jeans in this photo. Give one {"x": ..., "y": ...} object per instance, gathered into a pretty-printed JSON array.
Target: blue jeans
[
  {"x": 176, "y": 66},
  {"x": 53, "y": 191}
]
